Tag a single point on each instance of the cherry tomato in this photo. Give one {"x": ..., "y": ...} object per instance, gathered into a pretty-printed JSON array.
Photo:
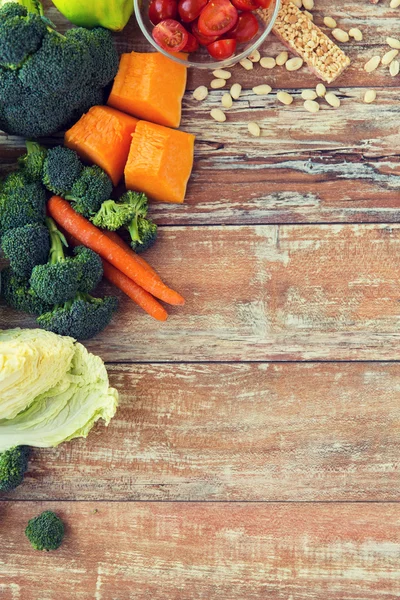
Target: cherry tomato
[
  {"x": 218, "y": 17},
  {"x": 159, "y": 10},
  {"x": 170, "y": 35},
  {"x": 192, "y": 44},
  {"x": 245, "y": 28},
  {"x": 245, "y": 4},
  {"x": 222, "y": 49},
  {"x": 263, "y": 3},
  {"x": 189, "y": 10},
  {"x": 204, "y": 40}
]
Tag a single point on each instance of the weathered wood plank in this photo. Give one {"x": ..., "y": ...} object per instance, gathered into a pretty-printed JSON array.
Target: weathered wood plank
[
  {"x": 129, "y": 551},
  {"x": 265, "y": 293},
  {"x": 306, "y": 432}
]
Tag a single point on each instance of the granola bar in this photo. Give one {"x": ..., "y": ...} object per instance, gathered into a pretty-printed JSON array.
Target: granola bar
[{"x": 304, "y": 38}]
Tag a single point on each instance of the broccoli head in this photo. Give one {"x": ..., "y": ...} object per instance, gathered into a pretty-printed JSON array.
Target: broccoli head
[
  {"x": 20, "y": 36},
  {"x": 143, "y": 234},
  {"x": 103, "y": 54},
  {"x": 61, "y": 169},
  {"x": 81, "y": 318},
  {"x": 13, "y": 466},
  {"x": 18, "y": 294},
  {"x": 90, "y": 190},
  {"x": 32, "y": 161},
  {"x": 58, "y": 280},
  {"x": 25, "y": 247},
  {"x": 22, "y": 202},
  {"x": 91, "y": 268},
  {"x": 45, "y": 532},
  {"x": 113, "y": 215}
]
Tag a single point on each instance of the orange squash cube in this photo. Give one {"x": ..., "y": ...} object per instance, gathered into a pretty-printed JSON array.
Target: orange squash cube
[{"x": 160, "y": 162}]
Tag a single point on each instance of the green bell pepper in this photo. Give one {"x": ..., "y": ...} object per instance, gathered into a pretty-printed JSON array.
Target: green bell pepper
[{"x": 111, "y": 14}]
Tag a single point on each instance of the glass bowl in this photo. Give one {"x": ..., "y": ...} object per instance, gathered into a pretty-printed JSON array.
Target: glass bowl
[{"x": 201, "y": 58}]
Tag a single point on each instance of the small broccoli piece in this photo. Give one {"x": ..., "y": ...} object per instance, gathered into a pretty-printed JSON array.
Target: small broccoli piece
[
  {"x": 81, "y": 318},
  {"x": 104, "y": 55},
  {"x": 18, "y": 294},
  {"x": 25, "y": 247},
  {"x": 20, "y": 36},
  {"x": 91, "y": 268},
  {"x": 45, "y": 532},
  {"x": 113, "y": 215},
  {"x": 12, "y": 9},
  {"x": 61, "y": 169},
  {"x": 32, "y": 161},
  {"x": 59, "y": 64},
  {"x": 58, "y": 280},
  {"x": 143, "y": 234},
  {"x": 13, "y": 466},
  {"x": 90, "y": 190},
  {"x": 22, "y": 202}
]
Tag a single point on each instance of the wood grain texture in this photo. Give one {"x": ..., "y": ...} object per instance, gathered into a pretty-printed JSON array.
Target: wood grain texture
[
  {"x": 265, "y": 293},
  {"x": 306, "y": 432},
  {"x": 214, "y": 552}
]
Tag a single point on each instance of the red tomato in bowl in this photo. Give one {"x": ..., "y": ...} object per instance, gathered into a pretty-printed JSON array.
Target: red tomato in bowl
[
  {"x": 263, "y": 3},
  {"x": 218, "y": 17},
  {"x": 170, "y": 35},
  {"x": 222, "y": 49},
  {"x": 192, "y": 44},
  {"x": 245, "y": 29},
  {"x": 245, "y": 4},
  {"x": 159, "y": 10},
  {"x": 204, "y": 40},
  {"x": 189, "y": 10}
]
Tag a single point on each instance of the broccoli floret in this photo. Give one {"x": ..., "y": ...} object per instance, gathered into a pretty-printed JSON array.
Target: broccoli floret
[
  {"x": 58, "y": 280},
  {"x": 81, "y": 318},
  {"x": 91, "y": 268},
  {"x": 113, "y": 215},
  {"x": 90, "y": 190},
  {"x": 12, "y": 9},
  {"x": 18, "y": 294},
  {"x": 11, "y": 88},
  {"x": 45, "y": 532},
  {"x": 22, "y": 202},
  {"x": 32, "y": 161},
  {"x": 60, "y": 64},
  {"x": 104, "y": 55},
  {"x": 20, "y": 36},
  {"x": 61, "y": 169},
  {"x": 13, "y": 465},
  {"x": 143, "y": 234},
  {"x": 25, "y": 247}
]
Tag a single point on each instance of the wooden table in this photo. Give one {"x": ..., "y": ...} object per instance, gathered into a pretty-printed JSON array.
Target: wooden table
[{"x": 255, "y": 453}]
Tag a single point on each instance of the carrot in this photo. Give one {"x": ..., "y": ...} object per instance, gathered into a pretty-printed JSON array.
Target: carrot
[
  {"x": 118, "y": 240},
  {"x": 135, "y": 292},
  {"x": 129, "y": 287},
  {"x": 87, "y": 234}
]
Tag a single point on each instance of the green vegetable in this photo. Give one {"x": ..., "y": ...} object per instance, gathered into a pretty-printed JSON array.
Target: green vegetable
[
  {"x": 17, "y": 293},
  {"x": 91, "y": 268},
  {"x": 113, "y": 215},
  {"x": 89, "y": 191},
  {"x": 82, "y": 318},
  {"x": 45, "y": 532},
  {"x": 111, "y": 14},
  {"x": 13, "y": 465},
  {"x": 25, "y": 247},
  {"x": 65, "y": 411},
  {"x": 49, "y": 80},
  {"x": 143, "y": 231},
  {"x": 61, "y": 169},
  {"x": 58, "y": 280},
  {"x": 32, "y": 161},
  {"x": 22, "y": 202}
]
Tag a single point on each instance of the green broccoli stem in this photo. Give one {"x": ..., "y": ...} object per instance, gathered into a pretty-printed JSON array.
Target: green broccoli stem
[
  {"x": 133, "y": 229},
  {"x": 57, "y": 242}
]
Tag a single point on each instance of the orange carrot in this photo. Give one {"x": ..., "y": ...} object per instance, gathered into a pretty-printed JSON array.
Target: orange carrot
[
  {"x": 135, "y": 292},
  {"x": 118, "y": 240},
  {"x": 129, "y": 287},
  {"x": 87, "y": 234}
]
